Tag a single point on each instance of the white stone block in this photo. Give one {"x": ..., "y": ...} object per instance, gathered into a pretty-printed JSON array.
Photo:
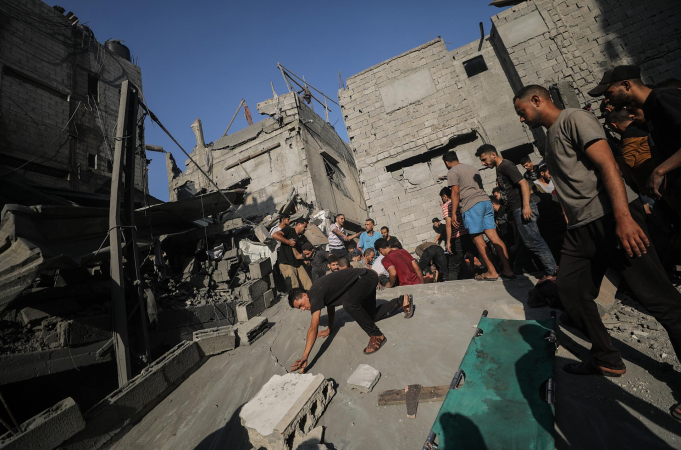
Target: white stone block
[{"x": 364, "y": 378}]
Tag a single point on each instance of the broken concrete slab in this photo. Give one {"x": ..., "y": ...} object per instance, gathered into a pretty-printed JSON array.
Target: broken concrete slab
[
  {"x": 48, "y": 429},
  {"x": 213, "y": 341},
  {"x": 36, "y": 314},
  {"x": 311, "y": 441},
  {"x": 364, "y": 378},
  {"x": 285, "y": 408},
  {"x": 81, "y": 331},
  {"x": 245, "y": 310},
  {"x": 606, "y": 296},
  {"x": 269, "y": 298},
  {"x": 260, "y": 269},
  {"x": 250, "y": 331}
]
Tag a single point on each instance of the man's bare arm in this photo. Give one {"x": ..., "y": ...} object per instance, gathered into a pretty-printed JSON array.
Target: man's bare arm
[
  {"x": 419, "y": 273},
  {"x": 279, "y": 236},
  {"x": 456, "y": 197},
  {"x": 631, "y": 236},
  {"x": 393, "y": 277},
  {"x": 331, "y": 316},
  {"x": 656, "y": 178},
  {"x": 309, "y": 342},
  {"x": 525, "y": 191},
  {"x": 448, "y": 224}
]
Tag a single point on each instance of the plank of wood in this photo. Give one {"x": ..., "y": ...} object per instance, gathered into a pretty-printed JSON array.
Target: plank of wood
[
  {"x": 398, "y": 397},
  {"x": 413, "y": 392}
]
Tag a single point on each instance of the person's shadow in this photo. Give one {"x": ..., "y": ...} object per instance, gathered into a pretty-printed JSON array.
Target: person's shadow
[{"x": 458, "y": 431}]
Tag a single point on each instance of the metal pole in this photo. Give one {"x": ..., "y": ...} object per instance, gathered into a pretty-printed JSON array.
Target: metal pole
[
  {"x": 9, "y": 411},
  {"x": 117, "y": 286},
  {"x": 234, "y": 116},
  {"x": 291, "y": 73},
  {"x": 326, "y": 110},
  {"x": 288, "y": 85}
]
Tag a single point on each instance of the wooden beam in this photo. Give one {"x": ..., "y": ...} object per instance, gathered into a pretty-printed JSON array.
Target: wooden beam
[{"x": 398, "y": 397}]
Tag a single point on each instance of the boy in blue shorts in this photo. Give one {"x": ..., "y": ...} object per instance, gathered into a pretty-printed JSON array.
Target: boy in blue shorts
[{"x": 478, "y": 214}]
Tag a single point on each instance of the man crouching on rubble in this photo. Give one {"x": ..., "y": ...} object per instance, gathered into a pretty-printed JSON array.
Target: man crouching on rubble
[{"x": 355, "y": 291}]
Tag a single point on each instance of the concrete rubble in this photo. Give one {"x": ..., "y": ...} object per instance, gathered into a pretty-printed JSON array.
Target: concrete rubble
[
  {"x": 214, "y": 341},
  {"x": 364, "y": 378},
  {"x": 286, "y": 408},
  {"x": 250, "y": 331}
]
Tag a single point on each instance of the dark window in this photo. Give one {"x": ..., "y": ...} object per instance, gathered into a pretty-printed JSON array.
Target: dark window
[
  {"x": 475, "y": 66},
  {"x": 92, "y": 161},
  {"x": 93, "y": 87}
]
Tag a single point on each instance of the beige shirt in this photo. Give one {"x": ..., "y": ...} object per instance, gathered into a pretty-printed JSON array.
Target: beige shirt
[{"x": 470, "y": 185}]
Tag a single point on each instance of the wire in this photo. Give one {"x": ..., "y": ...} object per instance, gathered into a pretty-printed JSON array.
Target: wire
[{"x": 46, "y": 147}]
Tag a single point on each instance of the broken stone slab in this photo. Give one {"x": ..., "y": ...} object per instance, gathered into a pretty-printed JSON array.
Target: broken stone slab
[
  {"x": 286, "y": 408},
  {"x": 269, "y": 298},
  {"x": 213, "y": 341},
  {"x": 260, "y": 269},
  {"x": 311, "y": 441},
  {"x": 48, "y": 429},
  {"x": 253, "y": 289},
  {"x": 364, "y": 378},
  {"x": 245, "y": 311},
  {"x": 81, "y": 331},
  {"x": 250, "y": 331},
  {"x": 606, "y": 296},
  {"x": 59, "y": 308}
]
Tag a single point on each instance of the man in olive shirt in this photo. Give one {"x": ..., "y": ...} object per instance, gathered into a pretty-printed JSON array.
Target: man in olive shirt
[
  {"x": 355, "y": 291},
  {"x": 606, "y": 228}
]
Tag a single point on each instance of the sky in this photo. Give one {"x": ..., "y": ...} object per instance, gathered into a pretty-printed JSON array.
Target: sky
[{"x": 200, "y": 58}]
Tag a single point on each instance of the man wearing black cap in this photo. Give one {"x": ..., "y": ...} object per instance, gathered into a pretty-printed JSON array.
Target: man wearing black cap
[
  {"x": 606, "y": 228},
  {"x": 440, "y": 231},
  {"x": 662, "y": 110}
]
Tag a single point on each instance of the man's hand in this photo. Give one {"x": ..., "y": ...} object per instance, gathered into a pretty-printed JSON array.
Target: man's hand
[
  {"x": 449, "y": 247},
  {"x": 291, "y": 242},
  {"x": 455, "y": 223},
  {"x": 654, "y": 183},
  {"x": 380, "y": 287},
  {"x": 299, "y": 364},
  {"x": 325, "y": 333},
  {"x": 527, "y": 213},
  {"x": 631, "y": 237}
]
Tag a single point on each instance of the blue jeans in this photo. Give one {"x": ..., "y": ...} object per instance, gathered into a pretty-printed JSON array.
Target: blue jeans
[{"x": 533, "y": 243}]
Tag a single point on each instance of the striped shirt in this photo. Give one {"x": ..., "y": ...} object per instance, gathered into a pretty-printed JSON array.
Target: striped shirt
[
  {"x": 446, "y": 212},
  {"x": 335, "y": 241}
]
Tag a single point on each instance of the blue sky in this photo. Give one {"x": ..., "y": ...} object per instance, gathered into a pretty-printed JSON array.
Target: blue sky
[{"x": 200, "y": 58}]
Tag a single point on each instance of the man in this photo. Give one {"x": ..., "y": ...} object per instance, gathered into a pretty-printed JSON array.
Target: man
[
  {"x": 501, "y": 217},
  {"x": 290, "y": 254},
  {"x": 355, "y": 291},
  {"x": 543, "y": 183},
  {"x": 333, "y": 263},
  {"x": 360, "y": 261},
  {"x": 392, "y": 240},
  {"x": 338, "y": 238},
  {"x": 368, "y": 237},
  {"x": 430, "y": 251},
  {"x": 522, "y": 208},
  {"x": 530, "y": 175},
  {"x": 551, "y": 222},
  {"x": 343, "y": 263},
  {"x": 440, "y": 232},
  {"x": 402, "y": 268},
  {"x": 318, "y": 259},
  {"x": 606, "y": 228},
  {"x": 458, "y": 240},
  {"x": 284, "y": 220},
  {"x": 465, "y": 183},
  {"x": 377, "y": 266},
  {"x": 662, "y": 111}
]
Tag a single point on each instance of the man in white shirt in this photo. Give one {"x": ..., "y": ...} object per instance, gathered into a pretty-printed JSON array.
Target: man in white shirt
[{"x": 338, "y": 237}]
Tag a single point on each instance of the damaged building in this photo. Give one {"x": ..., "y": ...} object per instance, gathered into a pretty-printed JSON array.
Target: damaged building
[
  {"x": 403, "y": 114},
  {"x": 292, "y": 149}
]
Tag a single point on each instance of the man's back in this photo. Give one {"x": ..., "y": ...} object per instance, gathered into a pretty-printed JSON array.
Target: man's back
[
  {"x": 470, "y": 185},
  {"x": 662, "y": 111},
  {"x": 401, "y": 260}
]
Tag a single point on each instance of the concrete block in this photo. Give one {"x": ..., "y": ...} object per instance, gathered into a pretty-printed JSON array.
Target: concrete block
[
  {"x": 84, "y": 330},
  {"x": 253, "y": 290},
  {"x": 269, "y": 298},
  {"x": 48, "y": 429},
  {"x": 213, "y": 341},
  {"x": 246, "y": 310},
  {"x": 364, "y": 378},
  {"x": 252, "y": 330},
  {"x": 286, "y": 408},
  {"x": 260, "y": 269},
  {"x": 177, "y": 361},
  {"x": 311, "y": 441}
]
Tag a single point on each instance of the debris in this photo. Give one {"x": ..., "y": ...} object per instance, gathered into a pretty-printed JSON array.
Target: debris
[
  {"x": 311, "y": 441},
  {"x": 412, "y": 393},
  {"x": 398, "y": 397},
  {"x": 250, "y": 331},
  {"x": 287, "y": 407},
  {"x": 364, "y": 378},
  {"x": 215, "y": 340},
  {"x": 260, "y": 268}
]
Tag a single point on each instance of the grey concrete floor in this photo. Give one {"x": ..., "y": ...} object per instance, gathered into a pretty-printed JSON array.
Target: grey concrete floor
[{"x": 203, "y": 412}]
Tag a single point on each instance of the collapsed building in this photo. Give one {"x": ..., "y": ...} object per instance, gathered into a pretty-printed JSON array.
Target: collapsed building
[{"x": 404, "y": 113}]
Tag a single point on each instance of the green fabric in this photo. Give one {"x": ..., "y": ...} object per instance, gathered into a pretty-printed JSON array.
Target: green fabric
[{"x": 500, "y": 404}]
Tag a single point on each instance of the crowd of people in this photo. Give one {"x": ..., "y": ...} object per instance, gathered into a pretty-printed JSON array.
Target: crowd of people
[{"x": 605, "y": 196}]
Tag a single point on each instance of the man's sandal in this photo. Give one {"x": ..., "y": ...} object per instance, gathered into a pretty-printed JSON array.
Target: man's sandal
[
  {"x": 375, "y": 343},
  {"x": 410, "y": 313},
  {"x": 676, "y": 412}
]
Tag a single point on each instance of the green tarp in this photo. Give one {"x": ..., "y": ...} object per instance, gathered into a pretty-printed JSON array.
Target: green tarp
[{"x": 501, "y": 403}]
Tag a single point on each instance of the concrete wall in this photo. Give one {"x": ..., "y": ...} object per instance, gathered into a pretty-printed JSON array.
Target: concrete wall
[
  {"x": 45, "y": 62},
  {"x": 283, "y": 151},
  {"x": 403, "y": 114}
]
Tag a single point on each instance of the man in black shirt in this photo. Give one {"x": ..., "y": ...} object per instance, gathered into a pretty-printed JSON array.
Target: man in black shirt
[
  {"x": 392, "y": 240},
  {"x": 440, "y": 231},
  {"x": 290, "y": 255},
  {"x": 318, "y": 261},
  {"x": 530, "y": 173},
  {"x": 355, "y": 291},
  {"x": 521, "y": 207}
]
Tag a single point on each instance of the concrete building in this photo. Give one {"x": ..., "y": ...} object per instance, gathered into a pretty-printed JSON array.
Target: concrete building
[
  {"x": 292, "y": 148},
  {"x": 59, "y": 96},
  {"x": 404, "y": 113}
]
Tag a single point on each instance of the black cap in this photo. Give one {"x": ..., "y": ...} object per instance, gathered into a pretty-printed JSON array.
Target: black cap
[
  {"x": 619, "y": 73},
  {"x": 435, "y": 219},
  {"x": 602, "y": 85}
]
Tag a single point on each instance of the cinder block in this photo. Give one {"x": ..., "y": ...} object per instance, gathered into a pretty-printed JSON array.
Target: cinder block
[
  {"x": 250, "y": 331},
  {"x": 253, "y": 290},
  {"x": 245, "y": 310},
  {"x": 213, "y": 341},
  {"x": 286, "y": 408},
  {"x": 260, "y": 269},
  {"x": 269, "y": 298},
  {"x": 48, "y": 429}
]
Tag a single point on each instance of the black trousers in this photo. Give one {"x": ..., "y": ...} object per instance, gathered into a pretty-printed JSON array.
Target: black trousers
[
  {"x": 437, "y": 255},
  {"x": 587, "y": 252},
  {"x": 457, "y": 267},
  {"x": 340, "y": 252},
  {"x": 360, "y": 302}
]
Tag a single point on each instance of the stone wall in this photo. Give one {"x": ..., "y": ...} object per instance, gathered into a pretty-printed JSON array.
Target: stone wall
[{"x": 48, "y": 69}]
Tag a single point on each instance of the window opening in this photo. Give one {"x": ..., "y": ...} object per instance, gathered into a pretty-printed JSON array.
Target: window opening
[{"x": 475, "y": 66}]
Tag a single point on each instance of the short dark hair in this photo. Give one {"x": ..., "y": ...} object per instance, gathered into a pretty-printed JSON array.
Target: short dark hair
[
  {"x": 302, "y": 220},
  {"x": 284, "y": 216},
  {"x": 335, "y": 218},
  {"x": 435, "y": 219},
  {"x": 485, "y": 149},
  {"x": 529, "y": 91},
  {"x": 381, "y": 243},
  {"x": 496, "y": 189},
  {"x": 385, "y": 228},
  {"x": 450, "y": 156},
  {"x": 332, "y": 258},
  {"x": 671, "y": 83},
  {"x": 542, "y": 168},
  {"x": 370, "y": 220},
  {"x": 308, "y": 246},
  {"x": 446, "y": 191},
  {"x": 369, "y": 250},
  {"x": 494, "y": 200},
  {"x": 295, "y": 294},
  {"x": 524, "y": 160},
  {"x": 618, "y": 115},
  {"x": 343, "y": 262}
]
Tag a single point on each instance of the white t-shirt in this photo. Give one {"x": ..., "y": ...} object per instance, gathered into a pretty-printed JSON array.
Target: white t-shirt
[
  {"x": 377, "y": 267},
  {"x": 335, "y": 241},
  {"x": 548, "y": 188}
]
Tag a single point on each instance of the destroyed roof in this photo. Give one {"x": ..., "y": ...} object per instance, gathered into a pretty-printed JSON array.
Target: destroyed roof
[{"x": 247, "y": 134}]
